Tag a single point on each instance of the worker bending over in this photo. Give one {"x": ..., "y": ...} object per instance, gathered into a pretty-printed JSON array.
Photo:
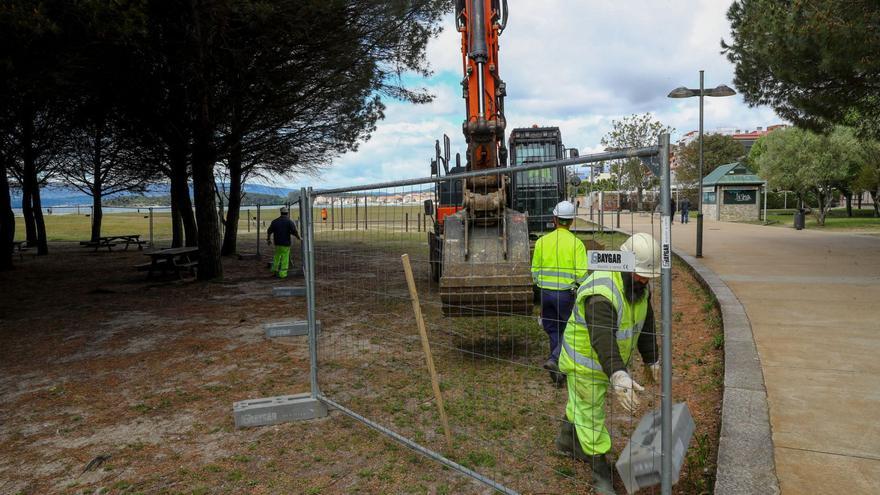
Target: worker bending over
[
  {"x": 612, "y": 315},
  {"x": 281, "y": 229},
  {"x": 559, "y": 265}
]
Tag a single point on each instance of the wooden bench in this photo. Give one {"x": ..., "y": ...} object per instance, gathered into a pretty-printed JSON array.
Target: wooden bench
[
  {"x": 144, "y": 267},
  {"x": 101, "y": 244},
  {"x": 21, "y": 247}
]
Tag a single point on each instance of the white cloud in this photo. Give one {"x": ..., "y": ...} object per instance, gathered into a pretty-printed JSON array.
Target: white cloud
[{"x": 574, "y": 64}]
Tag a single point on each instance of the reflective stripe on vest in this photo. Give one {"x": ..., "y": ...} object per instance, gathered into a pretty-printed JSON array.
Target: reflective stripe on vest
[
  {"x": 581, "y": 359},
  {"x": 559, "y": 261}
]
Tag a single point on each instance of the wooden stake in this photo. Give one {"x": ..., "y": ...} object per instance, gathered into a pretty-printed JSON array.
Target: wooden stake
[{"x": 426, "y": 346}]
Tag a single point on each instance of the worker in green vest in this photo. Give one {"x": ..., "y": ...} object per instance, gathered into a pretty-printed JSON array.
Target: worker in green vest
[
  {"x": 282, "y": 229},
  {"x": 612, "y": 316},
  {"x": 559, "y": 265}
]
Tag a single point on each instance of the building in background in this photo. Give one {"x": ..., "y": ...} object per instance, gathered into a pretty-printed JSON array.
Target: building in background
[{"x": 732, "y": 193}]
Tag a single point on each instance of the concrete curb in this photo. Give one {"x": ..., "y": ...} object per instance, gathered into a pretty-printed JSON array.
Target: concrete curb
[{"x": 745, "y": 445}]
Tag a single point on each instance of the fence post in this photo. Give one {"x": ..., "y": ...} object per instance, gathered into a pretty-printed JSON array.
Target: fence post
[
  {"x": 357, "y": 217},
  {"x": 342, "y": 213},
  {"x": 332, "y": 215},
  {"x": 765, "y": 202},
  {"x": 366, "y": 216},
  {"x": 601, "y": 211},
  {"x": 666, "y": 310},
  {"x": 258, "y": 231},
  {"x": 248, "y": 216},
  {"x": 151, "y": 227},
  {"x": 618, "y": 209},
  {"x": 407, "y": 221},
  {"x": 309, "y": 269}
]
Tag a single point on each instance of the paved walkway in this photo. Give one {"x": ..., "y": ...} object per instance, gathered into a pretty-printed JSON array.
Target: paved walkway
[{"x": 813, "y": 299}]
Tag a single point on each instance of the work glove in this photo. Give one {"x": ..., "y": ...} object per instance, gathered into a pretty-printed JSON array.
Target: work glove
[
  {"x": 625, "y": 389},
  {"x": 652, "y": 371}
]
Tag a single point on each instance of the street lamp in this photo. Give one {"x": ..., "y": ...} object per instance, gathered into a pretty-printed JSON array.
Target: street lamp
[{"x": 682, "y": 92}]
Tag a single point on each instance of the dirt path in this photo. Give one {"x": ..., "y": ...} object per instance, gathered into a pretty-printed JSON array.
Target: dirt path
[{"x": 98, "y": 363}]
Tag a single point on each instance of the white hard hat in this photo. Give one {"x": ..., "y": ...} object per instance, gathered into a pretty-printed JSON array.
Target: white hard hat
[
  {"x": 647, "y": 253},
  {"x": 564, "y": 210},
  {"x": 284, "y": 210}
]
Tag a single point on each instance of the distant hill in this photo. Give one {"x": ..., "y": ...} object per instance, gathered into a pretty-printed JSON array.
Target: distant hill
[{"x": 59, "y": 195}]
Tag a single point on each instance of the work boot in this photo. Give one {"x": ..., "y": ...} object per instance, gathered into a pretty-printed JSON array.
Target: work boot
[
  {"x": 602, "y": 483},
  {"x": 557, "y": 378},
  {"x": 568, "y": 443}
]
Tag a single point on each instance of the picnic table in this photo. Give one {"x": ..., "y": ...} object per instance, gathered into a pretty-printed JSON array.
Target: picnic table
[
  {"x": 172, "y": 259},
  {"x": 20, "y": 246},
  {"x": 115, "y": 240}
]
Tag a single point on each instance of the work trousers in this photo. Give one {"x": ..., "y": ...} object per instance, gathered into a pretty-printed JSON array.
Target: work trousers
[
  {"x": 684, "y": 216},
  {"x": 281, "y": 261},
  {"x": 556, "y": 306},
  {"x": 585, "y": 409}
]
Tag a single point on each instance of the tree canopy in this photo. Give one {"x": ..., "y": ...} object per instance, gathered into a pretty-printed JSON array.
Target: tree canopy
[
  {"x": 718, "y": 149},
  {"x": 803, "y": 161},
  {"x": 814, "y": 61},
  {"x": 637, "y": 130},
  {"x": 190, "y": 87}
]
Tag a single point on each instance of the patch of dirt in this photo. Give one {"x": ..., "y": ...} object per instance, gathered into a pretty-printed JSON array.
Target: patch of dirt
[{"x": 147, "y": 371}]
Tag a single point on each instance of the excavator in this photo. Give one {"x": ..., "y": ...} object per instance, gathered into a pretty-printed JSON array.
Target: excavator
[{"x": 484, "y": 244}]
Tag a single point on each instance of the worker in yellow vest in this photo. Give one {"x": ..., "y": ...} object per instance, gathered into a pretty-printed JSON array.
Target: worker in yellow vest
[
  {"x": 612, "y": 316},
  {"x": 559, "y": 265}
]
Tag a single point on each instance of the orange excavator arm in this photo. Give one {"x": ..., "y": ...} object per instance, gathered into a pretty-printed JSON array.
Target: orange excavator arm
[{"x": 481, "y": 22}]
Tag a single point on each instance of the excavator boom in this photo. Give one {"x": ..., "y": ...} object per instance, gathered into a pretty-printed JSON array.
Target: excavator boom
[{"x": 486, "y": 265}]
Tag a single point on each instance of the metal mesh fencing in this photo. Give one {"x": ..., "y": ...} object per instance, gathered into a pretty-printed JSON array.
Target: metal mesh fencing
[
  {"x": 505, "y": 410},
  {"x": 153, "y": 224}
]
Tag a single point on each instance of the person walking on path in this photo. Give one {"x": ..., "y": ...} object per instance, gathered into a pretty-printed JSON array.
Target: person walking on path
[
  {"x": 685, "y": 210},
  {"x": 671, "y": 207},
  {"x": 612, "y": 316},
  {"x": 281, "y": 229},
  {"x": 559, "y": 265}
]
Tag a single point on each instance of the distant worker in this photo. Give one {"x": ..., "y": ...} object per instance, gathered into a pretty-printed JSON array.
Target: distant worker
[
  {"x": 671, "y": 210},
  {"x": 281, "y": 229},
  {"x": 559, "y": 265},
  {"x": 612, "y": 315},
  {"x": 685, "y": 207},
  {"x": 324, "y": 215}
]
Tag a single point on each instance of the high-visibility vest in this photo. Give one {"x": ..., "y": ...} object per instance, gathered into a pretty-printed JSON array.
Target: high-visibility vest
[
  {"x": 559, "y": 261},
  {"x": 579, "y": 354}
]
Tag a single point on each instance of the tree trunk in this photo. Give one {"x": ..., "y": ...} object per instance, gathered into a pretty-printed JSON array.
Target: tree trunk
[
  {"x": 97, "y": 214},
  {"x": 848, "y": 196},
  {"x": 176, "y": 224},
  {"x": 27, "y": 211},
  {"x": 180, "y": 192},
  {"x": 210, "y": 264},
  {"x": 31, "y": 183},
  {"x": 233, "y": 209},
  {"x": 875, "y": 196},
  {"x": 42, "y": 241},
  {"x": 823, "y": 207},
  {"x": 7, "y": 221},
  {"x": 640, "y": 193}
]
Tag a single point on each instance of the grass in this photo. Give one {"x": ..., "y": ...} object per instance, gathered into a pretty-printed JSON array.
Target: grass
[
  {"x": 862, "y": 220},
  {"x": 78, "y": 227}
]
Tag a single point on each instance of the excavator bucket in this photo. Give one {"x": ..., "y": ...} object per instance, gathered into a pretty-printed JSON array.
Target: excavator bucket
[{"x": 486, "y": 269}]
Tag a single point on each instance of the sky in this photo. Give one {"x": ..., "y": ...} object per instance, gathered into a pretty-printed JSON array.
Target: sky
[{"x": 575, "y": 64}]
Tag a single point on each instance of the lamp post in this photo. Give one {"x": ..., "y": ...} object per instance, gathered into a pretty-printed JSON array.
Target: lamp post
[{"x": 682, "y": 92}]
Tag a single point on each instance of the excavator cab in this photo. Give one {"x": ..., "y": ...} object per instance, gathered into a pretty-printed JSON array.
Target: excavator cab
[{"x": 536, "y": 192}]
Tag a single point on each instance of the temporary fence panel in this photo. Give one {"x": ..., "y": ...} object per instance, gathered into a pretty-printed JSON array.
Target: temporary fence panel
[{"x": 503, "y": 410}]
